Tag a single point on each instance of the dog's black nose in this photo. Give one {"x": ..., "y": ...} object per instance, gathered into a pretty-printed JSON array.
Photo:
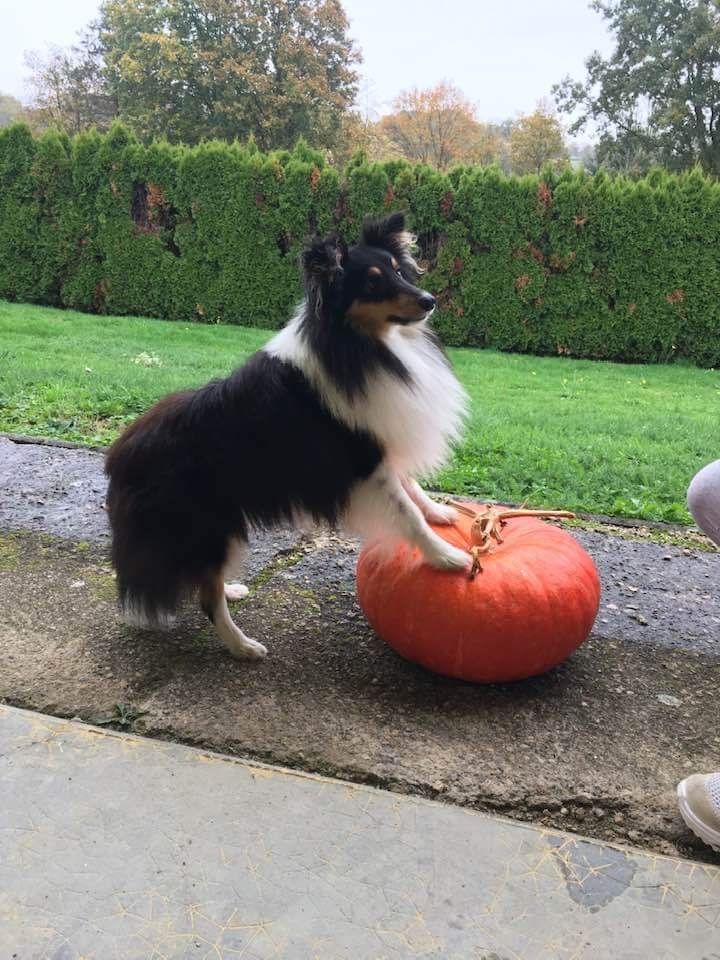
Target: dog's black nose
[{"x": 427, "y": 302}]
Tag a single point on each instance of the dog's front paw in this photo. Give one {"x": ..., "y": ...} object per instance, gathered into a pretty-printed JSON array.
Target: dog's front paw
[
  {"x": 440, "y": 513},
  {"x": 447, "y": 557}
]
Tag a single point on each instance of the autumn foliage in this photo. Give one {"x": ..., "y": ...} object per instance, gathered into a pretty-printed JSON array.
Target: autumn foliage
[
  {"x": 436, "y": 126},
  {"x": 535, "y": 141},
  {"x": 188, "y": 70}
]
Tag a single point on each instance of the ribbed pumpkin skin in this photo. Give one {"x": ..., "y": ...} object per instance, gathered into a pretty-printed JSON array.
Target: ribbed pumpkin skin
[{"x": 534, "y": 602}]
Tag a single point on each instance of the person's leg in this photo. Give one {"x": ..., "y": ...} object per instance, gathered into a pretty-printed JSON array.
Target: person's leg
[
  {"x": 699, "y": 795},
  {"x": 704, "y": 500}
]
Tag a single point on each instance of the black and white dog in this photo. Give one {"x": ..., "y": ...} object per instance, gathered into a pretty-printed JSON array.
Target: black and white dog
[{"x": 330, "y": 422}]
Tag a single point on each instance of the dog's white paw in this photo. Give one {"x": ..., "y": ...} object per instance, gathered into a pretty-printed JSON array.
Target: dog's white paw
[
  {"x": 236, "y": 591},
  {"x": 440, "y": 513},
  {"x": 447, "y": 557},
  {"x": 248, "y": 650}
]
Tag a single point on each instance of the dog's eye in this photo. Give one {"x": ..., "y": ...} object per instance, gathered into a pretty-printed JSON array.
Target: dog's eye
[{"x": 398, "y": 272}]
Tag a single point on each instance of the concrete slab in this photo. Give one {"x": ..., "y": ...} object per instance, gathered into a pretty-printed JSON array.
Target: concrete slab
[
  {"x": 596, "y": 746},
  {"x": 122, "y": 848}
]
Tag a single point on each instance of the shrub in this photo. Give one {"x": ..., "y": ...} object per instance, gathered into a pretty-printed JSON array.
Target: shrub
[{"x": 558, "y": 263}]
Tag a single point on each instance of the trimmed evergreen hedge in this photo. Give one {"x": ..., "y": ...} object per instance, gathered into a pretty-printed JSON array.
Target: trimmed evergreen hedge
[{"x": 565, "y": 263}]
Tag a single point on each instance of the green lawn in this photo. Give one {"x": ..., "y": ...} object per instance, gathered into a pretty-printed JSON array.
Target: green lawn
[{"x": 595, "y": 437}]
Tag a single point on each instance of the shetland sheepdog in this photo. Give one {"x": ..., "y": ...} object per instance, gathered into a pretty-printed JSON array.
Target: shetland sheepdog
[{"x": 330, "y": 423}]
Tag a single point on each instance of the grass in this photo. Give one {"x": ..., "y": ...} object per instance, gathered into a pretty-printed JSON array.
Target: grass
[{"x": 594, "y": 437}]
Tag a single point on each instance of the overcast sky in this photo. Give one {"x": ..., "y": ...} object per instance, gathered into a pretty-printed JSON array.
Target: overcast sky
[{"x": 504, "y": 55}]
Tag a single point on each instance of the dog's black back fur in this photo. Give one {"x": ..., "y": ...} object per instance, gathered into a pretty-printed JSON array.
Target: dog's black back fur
[{"x": 205, "y": 465}]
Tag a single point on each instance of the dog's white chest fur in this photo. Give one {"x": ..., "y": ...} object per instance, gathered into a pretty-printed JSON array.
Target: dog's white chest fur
[{"x": 415, "y": 422}]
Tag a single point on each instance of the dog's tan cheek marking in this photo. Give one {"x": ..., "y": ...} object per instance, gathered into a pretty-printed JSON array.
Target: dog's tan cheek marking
[
  {"x": 370, "y": 318},
  {"x": 405, "y": 305},
  {"x": 375, "y": 272}
]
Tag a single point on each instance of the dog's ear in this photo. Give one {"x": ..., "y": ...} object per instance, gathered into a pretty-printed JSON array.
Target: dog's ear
[
  {"x": 323, "y": 258},
  {"x": 322, "y": 262},
  {"x": 386, "y": 232},
  {"x": 390, "y": 233}
]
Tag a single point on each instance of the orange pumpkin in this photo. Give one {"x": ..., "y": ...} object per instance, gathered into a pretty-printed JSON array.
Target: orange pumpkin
[{"x": 533, "y": 601}]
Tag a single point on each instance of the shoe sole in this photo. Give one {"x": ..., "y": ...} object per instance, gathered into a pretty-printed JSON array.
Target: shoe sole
[{"x": 706, "y": 834}]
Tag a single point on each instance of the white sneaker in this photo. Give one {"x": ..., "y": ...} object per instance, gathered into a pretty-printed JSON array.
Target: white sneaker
[{"x": 699, "y": 801}]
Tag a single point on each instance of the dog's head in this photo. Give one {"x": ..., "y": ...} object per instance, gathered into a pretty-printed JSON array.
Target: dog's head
[{"x": 371, "y": 286}]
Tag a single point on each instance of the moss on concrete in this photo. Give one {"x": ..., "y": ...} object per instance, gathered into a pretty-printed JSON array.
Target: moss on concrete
[
  {"x": 9, "y": 552},
  {"x": 282, "y": 561},
  {"x": 101, "y": 583}
]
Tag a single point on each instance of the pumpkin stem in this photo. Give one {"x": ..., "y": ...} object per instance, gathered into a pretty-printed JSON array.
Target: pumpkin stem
[
  {"x": 543, "y": 514},
  {"x": 489, "y": 521}
]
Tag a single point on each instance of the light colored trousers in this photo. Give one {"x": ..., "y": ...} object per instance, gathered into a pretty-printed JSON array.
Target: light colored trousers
[{"x": 704, "y": 500}]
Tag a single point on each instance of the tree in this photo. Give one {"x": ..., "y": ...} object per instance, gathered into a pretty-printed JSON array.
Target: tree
[
  {"x": 489, "y": 145},
  {"x": 274, "y": 70},
  {"x": 656, "y": 99},
  {"x": 361, "y": 131},
  {"x": 435, "y": 126},
  {"x": 536, "y": 140},
  {"x": 10, "y": 109},
  {"x": 70, "y": 91},
  {"x": 358, "y": 133}
]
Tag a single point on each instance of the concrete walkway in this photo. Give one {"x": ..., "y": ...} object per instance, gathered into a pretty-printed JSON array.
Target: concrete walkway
[
  {"x": 120, "y": 848},
  {"x": 596, "y": 746}
]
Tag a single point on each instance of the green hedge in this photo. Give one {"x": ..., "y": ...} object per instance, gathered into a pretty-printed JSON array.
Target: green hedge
[{"x": 554, "y": 264}]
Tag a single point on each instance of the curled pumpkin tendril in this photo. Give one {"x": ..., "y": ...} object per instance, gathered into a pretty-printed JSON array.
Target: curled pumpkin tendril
[{"x": 488, "y": 523}]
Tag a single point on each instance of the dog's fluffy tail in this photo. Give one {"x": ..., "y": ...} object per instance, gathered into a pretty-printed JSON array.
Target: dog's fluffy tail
[
  {"x": 146, "y": 549},
  {"x": 150, "y": 586},
  {"x": 142, "y": 611}
]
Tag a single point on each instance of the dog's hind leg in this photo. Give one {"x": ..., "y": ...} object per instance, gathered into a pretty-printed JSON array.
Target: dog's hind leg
[
  {"x": 237, "y": 555},
  {"x": 214, "y": 605}
]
